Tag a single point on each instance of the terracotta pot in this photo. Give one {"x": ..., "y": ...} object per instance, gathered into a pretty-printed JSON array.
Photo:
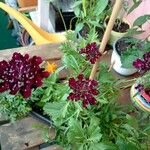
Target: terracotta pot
[
  {"x": 27, "y": 3},
  {"x": 114, "y": 36},
  {"x": 115, "y": 58},
  {"x": 141, "y": 100}
]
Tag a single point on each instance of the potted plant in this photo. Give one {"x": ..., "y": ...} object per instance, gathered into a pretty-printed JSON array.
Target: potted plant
[
  {"x": 90, "y": 15},
  {"x": 20, "y": 78},
  {"x": 120, "y": 29},
  {"x": 140, "y": 91},
  {"x": 81, "y": 108},
  {"x": 125, "y": 51}
]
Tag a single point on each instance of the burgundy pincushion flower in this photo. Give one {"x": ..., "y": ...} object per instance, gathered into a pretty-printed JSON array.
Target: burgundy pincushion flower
[
  {"x": 92, "y": 52},
  {"x": 143, "y": 65},
  {"x": 21, "y": 74},
  {"x": 83, "y": 89}
]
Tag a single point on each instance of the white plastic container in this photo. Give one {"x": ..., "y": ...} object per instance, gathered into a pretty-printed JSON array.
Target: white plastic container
[{"x": 115, "y": 59}]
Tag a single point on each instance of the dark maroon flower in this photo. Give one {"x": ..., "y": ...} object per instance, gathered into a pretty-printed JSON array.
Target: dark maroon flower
[
  {"x": 92, "y": 52},
  {"x": 143, "y": 65},
  {"x": 83, "y": 89},
  {"x": 139, "y": 87},
  {"x": 21, "y": 74}
]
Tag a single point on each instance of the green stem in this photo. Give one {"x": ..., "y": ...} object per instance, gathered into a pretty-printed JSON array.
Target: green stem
[{"x": 62, "y": 18}]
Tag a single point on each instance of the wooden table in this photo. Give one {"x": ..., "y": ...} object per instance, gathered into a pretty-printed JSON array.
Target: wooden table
[{"x": 22, "y": 135}]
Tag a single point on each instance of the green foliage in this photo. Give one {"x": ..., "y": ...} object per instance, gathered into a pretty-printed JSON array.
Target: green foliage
[
  {"x": 141, "y": 20},
  {"x": 13, "y": 106},
  {"x": 91, "y": 13},
  {"x": 134, "y": 50},
  {"x": 105, "y": 126},
  {"x": 134, "y": 6},
  {"x": 101, "y": 126}
]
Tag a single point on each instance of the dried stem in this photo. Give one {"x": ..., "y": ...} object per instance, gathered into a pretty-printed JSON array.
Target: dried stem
[{"x": 115, "y": 12}]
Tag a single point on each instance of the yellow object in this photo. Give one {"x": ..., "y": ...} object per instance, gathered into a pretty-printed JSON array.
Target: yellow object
[
  {"x": 38, "y": 35},
  {"x": 50, "y": 67}
]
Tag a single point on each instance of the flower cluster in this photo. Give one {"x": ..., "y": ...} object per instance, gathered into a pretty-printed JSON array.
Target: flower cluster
[
  {"x": 83, "y": 89},
  {"x": 143, "y": 65},
  {"x": 92, "y": 52},
  {"x": 21, "y": 74}
]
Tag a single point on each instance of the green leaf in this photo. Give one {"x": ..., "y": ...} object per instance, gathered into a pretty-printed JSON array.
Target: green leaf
[
  {"x": 79, "y": 27},
  {"x": 93, "y": 131},
  {"x": 76, "y": 132},
  {"x": 132, "y": 121},
  {"x": 135, "y": 5},
  {"x": 100, "y": 7},
  {"x": 103, "y": 146},
  {"x": 56, "y": 109},
  {"x": 141, "y": 20},
  {"x": 125, "y": 145},
  {"x": 77, "y": 11},
  {"x": 134, "y": 31},
  {"x": 71, "y": 62},
  {"x": 84, "y": 7}
]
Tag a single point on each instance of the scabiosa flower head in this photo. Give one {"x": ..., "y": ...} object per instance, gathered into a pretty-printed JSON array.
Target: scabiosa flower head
[
  {"x": 21, "y": 74},
  {"x": 92, "y": 52},
  {"x": 83, "y": 89},
  {"x": 143, "y": 65}
]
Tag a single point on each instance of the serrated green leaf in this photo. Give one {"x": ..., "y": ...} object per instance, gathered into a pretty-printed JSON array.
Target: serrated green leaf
[
  {"x": 56, "y": 109},
  {"x": 102, "y": 146},
  {"x": 71, "y": 62},
  {"x": 93, "y": 131},
  {"x": 76, "y": 132}
]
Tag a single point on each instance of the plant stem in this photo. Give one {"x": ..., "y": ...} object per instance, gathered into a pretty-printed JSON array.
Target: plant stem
[{"x": 62, "y": 18}]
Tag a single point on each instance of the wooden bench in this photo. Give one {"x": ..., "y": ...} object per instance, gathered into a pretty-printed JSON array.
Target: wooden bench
[{"x": 22, "y": 135}]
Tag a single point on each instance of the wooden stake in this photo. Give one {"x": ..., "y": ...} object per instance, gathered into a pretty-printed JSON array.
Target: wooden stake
[{"x": 115, "y": 12}]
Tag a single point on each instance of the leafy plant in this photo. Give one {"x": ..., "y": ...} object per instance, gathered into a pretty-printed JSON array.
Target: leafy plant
[
  {"x": 134, "y": 48},
  {"x": 91, "y": 14},
  {"x": 19, "y": 77},
  {"x": 96, "y": 125}
]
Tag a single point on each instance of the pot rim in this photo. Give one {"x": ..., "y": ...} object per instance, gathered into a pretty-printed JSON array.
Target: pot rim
[
  {"x": 142, "y": 94},
  {"x": 145, "y": 95},
  {"x": 138, "y": 100}
]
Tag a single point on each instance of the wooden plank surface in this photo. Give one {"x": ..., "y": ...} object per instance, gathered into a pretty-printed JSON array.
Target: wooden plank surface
[
  {"x": 23, "y": 134},
  {"x": 27, "y": 9},
  {"x": 53, "y": 147},
  {"x": 47, "y": 51}
]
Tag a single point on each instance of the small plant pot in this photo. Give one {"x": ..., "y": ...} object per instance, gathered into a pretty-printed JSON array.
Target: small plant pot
[
  {"x": 117, "y": 65},
  {"x": 115, "y": 35},
  {"x": 27, "y": 3},
  {"x": 141, "y": 100}
]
